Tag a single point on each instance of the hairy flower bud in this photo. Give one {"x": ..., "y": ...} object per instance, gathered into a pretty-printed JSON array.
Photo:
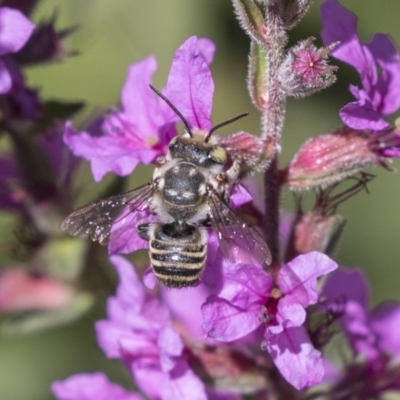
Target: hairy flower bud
[
  {"x": 315, "y": 232},
  {"x": 251, "y": 18},
  {"x": 244, "y": 148},
  {"x": 305, "y": 69},
  {"x": 333, "y": 157},
  {"x": 292, "y": 11}
]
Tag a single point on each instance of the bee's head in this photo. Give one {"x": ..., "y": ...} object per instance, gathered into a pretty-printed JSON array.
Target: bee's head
[{"x": 195, "y": 149}]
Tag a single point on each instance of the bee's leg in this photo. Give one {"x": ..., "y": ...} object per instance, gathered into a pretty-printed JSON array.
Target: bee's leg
[
  {"x": 143, "y": 231},
  {"x": 233, "y": 173}
]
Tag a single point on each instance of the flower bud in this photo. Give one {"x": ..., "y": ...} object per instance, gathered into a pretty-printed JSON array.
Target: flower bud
[
  {"x": 244, "y": 148},
  {"x": 45, "y": 45},
  {"x": 22, "y": 291},
  {"x": 331, "y": 158},
  {"x": 292, "y": 11},
  {"x": 251, "y": 18},
  {"x": 305, "y": 69},
  {"x": 317, "y": 232}
]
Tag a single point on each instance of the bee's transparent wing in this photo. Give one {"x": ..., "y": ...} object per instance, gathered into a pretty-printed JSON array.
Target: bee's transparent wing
[
  {"x": 238, "y": 241},
  {"x": 95, "y": 220}
]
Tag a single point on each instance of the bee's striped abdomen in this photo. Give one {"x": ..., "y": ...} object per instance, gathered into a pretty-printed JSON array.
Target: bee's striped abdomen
[{"x": 178, "y": 254}]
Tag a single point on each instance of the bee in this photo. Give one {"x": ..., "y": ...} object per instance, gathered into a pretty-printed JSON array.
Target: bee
[{"x": 188, "y": 193}]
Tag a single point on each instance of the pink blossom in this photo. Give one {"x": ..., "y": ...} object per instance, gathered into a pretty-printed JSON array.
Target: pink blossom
[
  {"x": 93, "y": 386},
  {"x": 370, "y": 333},
  {"x": 14, "y": 33},
  {"x": 250, "y": 299},
  {"x": 377, "y": 62},
  {"x": 138, "y": 331}
]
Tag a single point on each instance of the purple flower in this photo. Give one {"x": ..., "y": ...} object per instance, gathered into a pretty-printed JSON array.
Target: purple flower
[
  {"x": 249, "y": 299},
  {"x": 93, "y": 386},
  {"x": 138, "y": 331},
  {"x": 15, "y": 30},
  {"x": 370, "y": 333},
  {"x": 17, "y": 184},
  {"x": 377, "y": 62},
  {"x": 142, "y": 131}
]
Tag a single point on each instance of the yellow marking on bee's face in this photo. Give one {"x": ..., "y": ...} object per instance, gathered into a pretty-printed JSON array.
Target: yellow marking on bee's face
[{"x": 218, "y": 154}]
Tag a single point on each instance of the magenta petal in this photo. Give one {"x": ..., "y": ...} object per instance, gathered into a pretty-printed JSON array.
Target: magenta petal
[
  {"x": 385, "y": 322},
  {"x": 108, "y": 337},
  {"x": 5, "y": 79},
  {"x": 130, "y": 290},
  {"x": 345, "y": 292},
  {"x": 296, "y": 358},
  {"x": 137, "y": 98},
  {"x": 93, "y": 386},
  {"x": 245, "y": 284},
  {"x": 171, "y": 347},
  {"x": 386, "y": 56},
  {"x": 15, "y": 30},
  {"x": 105, "y": 153},
  {"x": 190, "y": 86},
  {"x": 183, "y": 384},
  {"x": 298, "y": 279},
  {"x": 344, "y": 285},
  {"x": 207, "y": 49},
  {"x": 240, "y": 196},
  {"x": 141, "y": 105},
  {"x": 226, "y": 322},
  {"x": 185, "y": 305},
  {"x": 361, "y": 116},
  {"x": 340, "y": 25},
  {"x": 149, "y": 377},
  {"x": 149, "y": 279}
]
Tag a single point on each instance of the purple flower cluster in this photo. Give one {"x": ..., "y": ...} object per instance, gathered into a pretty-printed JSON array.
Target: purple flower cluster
[
  {"x": 15, "y": 32},
  {"x": 250, "y": 299},
  {"x": 378, "y": 64}
]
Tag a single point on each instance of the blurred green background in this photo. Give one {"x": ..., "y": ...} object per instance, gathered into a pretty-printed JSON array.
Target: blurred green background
[{"x": 113, "y": 34}]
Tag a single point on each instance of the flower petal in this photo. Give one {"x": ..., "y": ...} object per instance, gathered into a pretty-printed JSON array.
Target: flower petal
[
  {"x": 226, "y": 322},
  {"x": 340, "y": 25},
  {"x": 105, "y": 153},
  {"x": 296, "y": 358},
  {"x": 183, "y": 384},
  {"x": 15, "y": 30},
  {"x": 190, "y": 86},
  {"x": 362, "y": 115},
  {"x": 386, "y": 56},
  {"x": 385, "y": 322},
  {"x": 171, "y": 347},
  {"x": 94, "y": 386},
  {"x": 298, "y": 279},
  {"x": 5, "y": 79}
]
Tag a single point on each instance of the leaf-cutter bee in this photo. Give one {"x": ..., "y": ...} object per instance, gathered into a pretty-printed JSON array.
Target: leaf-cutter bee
[{"x": 188, "y": 193}]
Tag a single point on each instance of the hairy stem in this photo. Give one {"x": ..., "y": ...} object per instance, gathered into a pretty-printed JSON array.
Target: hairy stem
[{"x": 272, "y": 124}]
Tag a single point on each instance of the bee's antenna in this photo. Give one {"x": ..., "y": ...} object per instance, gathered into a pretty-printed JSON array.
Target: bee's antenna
[
  {"x": 176, "y": 111},
  {"x": 228, "y": 121}
]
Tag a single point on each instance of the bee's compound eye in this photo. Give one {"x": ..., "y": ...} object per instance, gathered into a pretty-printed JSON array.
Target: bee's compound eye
[{"x": 218, "y": 154}]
